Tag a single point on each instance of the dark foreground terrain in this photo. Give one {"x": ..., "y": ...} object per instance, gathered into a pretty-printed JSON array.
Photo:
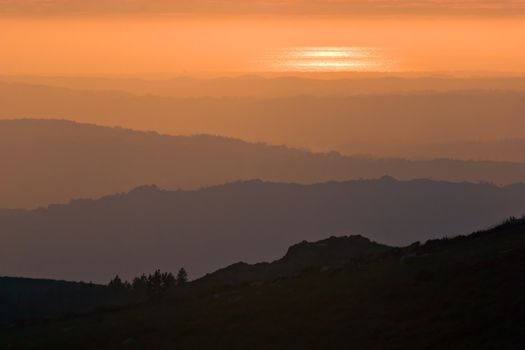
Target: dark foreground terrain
[
  {"x": 340, "y": 293},
  {"x": 25, "y": 301}
]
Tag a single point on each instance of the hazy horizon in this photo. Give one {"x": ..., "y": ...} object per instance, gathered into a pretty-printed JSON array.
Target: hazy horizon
[
  {"x": 416, "y": 118},
  {"x": 262, "y": 174}
]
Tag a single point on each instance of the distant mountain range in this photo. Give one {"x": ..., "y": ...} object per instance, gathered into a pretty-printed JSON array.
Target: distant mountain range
[
  {"x": 252, "y": 221},
  {"x": 257, "y": 86},
  {"x": 384, "y": 124},
  {"x": 511, "y": 149},
  {"x": 54, "y": 161}
]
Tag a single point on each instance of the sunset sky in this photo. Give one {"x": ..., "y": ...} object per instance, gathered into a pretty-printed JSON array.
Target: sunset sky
[{"x": 147, "y": 38}]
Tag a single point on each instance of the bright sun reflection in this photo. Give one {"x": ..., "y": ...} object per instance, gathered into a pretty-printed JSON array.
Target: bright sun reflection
[{"x": 330, "y": 59}]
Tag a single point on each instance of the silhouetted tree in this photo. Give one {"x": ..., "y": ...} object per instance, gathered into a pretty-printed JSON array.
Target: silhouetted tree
[
  {"x": 154, "y": 284},
  {"x": 511, "y": 221},
  {"x": 118, "y": 285},
  {"x": 140, "y": 285},
  {"x": 182, "y": 277},
  {"x": 127, "y": 286},
  {"x": 168, "y": 280},
  {"x": 158, "y": 283}
]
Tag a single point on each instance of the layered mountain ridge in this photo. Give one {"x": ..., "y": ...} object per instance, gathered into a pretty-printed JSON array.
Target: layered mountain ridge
[{"x": 54, "y": 161}]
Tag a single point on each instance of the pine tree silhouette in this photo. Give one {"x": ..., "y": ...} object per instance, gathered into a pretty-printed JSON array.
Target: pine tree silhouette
[{"x": 182, "y": 277}]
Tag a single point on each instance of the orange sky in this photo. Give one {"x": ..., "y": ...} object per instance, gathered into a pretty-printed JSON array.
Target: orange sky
[
  {"x": 73, "y": 37},
  {"x": 297, "y": 7}
]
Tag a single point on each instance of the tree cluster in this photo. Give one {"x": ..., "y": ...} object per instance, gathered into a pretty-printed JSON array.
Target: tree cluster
[{"x": 154, "y": 285}]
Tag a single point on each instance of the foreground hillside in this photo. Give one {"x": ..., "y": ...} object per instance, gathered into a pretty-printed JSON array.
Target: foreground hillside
[
  {"x": 461, "y": 293},
  {"x": 26, "y": 301},
  {"x": 148, "y": 228},
  {"x": 50, "y": 161}
]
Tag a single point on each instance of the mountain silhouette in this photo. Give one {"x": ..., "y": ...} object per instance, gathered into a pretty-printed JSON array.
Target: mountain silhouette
[
  {"x": 330, "y": 253},
  {"x": 327, "y": 294},
  {"x": 379, "y": 124},
  {"x": 203, "y": 230},
  {"x": 26, "y": 301},
  {"x": 54, "y": 161}
]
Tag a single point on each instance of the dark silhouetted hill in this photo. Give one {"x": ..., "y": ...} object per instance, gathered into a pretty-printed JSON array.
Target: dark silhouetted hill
[
  {"x": 326, "y": 254},
  {"x": 460, "y": 293},
  {"x": 148, "y": 228},
  {"x": 51, "y": 161}
]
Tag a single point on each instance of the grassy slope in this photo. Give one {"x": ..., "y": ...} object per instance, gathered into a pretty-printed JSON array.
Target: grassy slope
[{"x": 464, "y": 293}]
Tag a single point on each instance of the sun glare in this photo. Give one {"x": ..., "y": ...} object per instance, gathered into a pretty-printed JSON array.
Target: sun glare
[{"x": 330, "y": 59}]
